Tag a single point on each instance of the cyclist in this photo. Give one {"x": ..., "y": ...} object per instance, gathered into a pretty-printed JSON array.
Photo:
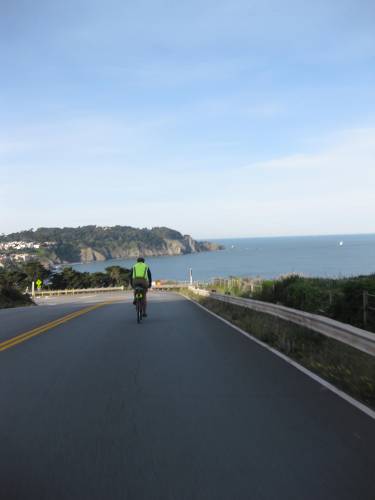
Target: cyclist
[{"x": 141, "y": 276}]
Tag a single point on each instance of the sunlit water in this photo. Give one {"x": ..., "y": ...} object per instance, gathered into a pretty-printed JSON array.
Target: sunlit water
[{"x": 326, "y": 256}]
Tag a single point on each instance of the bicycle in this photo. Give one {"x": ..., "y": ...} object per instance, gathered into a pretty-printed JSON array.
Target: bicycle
[{"x": 139, "y": 302}]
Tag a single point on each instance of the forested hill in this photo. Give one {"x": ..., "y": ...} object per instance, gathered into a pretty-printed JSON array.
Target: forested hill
[{"x": 89, "y": 243}]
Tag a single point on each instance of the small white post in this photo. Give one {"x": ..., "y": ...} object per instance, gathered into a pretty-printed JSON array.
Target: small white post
[
  {"x": 33, "y": 289},
  {"x": 191, "y": 276}
]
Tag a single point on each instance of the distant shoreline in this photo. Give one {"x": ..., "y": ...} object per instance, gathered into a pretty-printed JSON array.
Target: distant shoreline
[
  {"x": 267, "y": 258},
  {"x": 342, "y": 235},
  {"x": 134, "y": 257},
  {"x": 56, "y": 246}
]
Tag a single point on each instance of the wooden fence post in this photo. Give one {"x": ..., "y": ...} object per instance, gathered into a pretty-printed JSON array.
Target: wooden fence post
[{"x": 365, "y": 306}]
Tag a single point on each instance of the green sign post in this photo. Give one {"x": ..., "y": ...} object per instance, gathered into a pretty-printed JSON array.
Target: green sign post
[{"x": 39, "y": 283}]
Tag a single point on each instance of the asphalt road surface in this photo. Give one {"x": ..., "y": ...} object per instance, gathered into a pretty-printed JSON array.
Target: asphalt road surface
[{"x": 179, "y": 407}]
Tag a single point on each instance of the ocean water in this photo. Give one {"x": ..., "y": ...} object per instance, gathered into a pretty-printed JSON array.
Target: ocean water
[{"x": 325, "y": 256}]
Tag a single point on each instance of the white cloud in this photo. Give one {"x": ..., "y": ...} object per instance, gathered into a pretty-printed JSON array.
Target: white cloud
[
  {"x": 330, "y": 190},
  {"x": 352, "y": 150}
]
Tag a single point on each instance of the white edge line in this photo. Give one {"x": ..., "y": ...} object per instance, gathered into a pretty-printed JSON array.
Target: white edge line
[{"x": 360, "y": 406}]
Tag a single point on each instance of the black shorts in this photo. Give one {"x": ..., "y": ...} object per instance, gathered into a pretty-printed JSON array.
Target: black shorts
[{"x": 140, "y": 282}]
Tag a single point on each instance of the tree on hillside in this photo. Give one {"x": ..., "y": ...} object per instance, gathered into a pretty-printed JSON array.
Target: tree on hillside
[
  {"x": 34, "y": 270},
  {"x": 17, "y": 277},
  {"x": 120, "y": 276},
  {"x": 100, "y": 280},
  {"x": 69, "y": 278}
]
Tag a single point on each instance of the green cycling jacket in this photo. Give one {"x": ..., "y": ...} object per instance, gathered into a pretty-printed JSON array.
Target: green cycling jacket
[{"x": 140, "y": 270}]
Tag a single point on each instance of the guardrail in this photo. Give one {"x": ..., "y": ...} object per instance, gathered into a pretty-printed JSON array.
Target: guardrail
[
  {"x": 76, "y": 291},
  {"x": 170, "y": 286},
  {"x": 348, "y": 334}
]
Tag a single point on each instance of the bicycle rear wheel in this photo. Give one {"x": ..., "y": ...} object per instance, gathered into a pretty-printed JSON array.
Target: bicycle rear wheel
[{"x": 139, "y": 310}]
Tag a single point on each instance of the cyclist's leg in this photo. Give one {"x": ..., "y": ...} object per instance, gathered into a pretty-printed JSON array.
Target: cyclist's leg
[{"x": 136, "y": 283}]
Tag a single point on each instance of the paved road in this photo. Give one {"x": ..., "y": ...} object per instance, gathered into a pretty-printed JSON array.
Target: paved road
[{"x": 180, "y": 407}]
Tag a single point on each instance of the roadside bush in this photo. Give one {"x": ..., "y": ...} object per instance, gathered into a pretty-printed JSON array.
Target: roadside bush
[
  {"x": 348, "y": 306},
  {"x": 340, "y": 299},
  {"x": 70, "y": 278},
  {"x": 11, "y": 297}
]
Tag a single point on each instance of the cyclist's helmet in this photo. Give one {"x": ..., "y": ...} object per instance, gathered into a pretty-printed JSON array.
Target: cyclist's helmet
[{"x": 140, "y": 259}]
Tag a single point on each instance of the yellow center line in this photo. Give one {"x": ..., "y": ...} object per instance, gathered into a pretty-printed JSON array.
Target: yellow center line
[{"x": 43, "y": 328}]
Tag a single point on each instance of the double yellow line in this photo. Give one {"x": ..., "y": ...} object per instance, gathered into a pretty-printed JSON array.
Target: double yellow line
[{"x": 7, "y": 344}]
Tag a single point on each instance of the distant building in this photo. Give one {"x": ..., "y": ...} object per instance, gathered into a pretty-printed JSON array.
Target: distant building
[{"x": 25, "y": 245}]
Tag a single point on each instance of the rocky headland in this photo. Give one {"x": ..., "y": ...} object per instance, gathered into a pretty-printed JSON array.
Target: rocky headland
[{"x": 97, "y": 243}]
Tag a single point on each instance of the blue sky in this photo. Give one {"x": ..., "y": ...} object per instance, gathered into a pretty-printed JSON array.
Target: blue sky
[{"x": 216, "y": 118}]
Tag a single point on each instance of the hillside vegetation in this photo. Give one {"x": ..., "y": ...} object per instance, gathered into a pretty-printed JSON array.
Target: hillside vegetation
[{"x": 90, "y": 243}]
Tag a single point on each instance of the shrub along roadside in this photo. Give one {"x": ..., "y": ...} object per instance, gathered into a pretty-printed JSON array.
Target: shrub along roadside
[
  {"x": 11, "y": 297},
  {"x": 70, "y": 278},
  {"x": 20, "y": 276},
  {"x": 345, "y": 367},
  {"x": 16, "y": 278},
  {"x": 340, "y": 299}
]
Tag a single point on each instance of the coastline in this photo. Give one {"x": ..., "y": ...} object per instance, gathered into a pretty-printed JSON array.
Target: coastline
[{"x": 267, "y": 258}]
